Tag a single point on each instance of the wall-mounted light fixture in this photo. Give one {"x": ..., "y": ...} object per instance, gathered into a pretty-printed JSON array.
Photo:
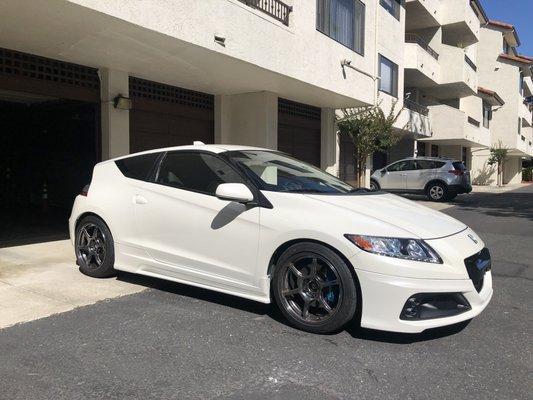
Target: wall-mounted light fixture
[{"x": 122, "y": 103}]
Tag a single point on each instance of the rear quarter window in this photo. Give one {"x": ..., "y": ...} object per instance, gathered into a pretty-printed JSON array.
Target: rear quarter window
[
  {"x": 137, "y": 167},
  {"x": 459, "y": 165},
  {"x": 439, "y": 164}
]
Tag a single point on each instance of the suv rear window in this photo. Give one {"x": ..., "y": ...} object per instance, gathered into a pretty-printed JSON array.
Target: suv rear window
[
  {"x": 459, "y": 166},
  {"x": 137, "y": 167}
]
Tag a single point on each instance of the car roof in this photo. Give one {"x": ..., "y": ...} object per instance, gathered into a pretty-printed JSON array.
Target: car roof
[
  {"x": 213, "y": 148},
  {"x": 431, "y": 158}
]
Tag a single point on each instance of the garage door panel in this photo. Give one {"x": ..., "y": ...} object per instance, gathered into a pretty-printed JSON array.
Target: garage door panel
[
  {"x": 165, "y": 116},
  {"x": 299, "y": 131}
]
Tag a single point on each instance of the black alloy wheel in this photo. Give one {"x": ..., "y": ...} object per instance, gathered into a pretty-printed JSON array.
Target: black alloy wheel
[
  {"x": 94, "y": 248},
  {"x": 314, "y": 288}
]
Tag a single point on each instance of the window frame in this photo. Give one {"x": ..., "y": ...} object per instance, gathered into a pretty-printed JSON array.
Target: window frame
[
  {"x": 245, "y": 180},
  {"x": 149, "y": 172},
  {"x": 394, "y": 11},
  {"x": 394, "y": 78},
  {"x": 362, "y": 30},
  {"x": 486, "y": 111}
]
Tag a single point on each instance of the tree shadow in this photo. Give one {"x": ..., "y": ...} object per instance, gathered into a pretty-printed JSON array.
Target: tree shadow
[{"x": 484, "y": 176}]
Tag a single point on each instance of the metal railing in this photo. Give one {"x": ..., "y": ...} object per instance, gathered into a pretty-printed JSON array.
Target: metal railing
[
  {"x": 413, "y": 106},
  {"x": 470, "y": 63},
  {"x": 414, "y": 38},
  {"x": 473, "y": 121},
  {"x": 275, "y": 8}
]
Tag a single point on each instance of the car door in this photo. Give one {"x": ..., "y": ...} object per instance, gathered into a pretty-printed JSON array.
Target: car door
[
  {"x": 419, "y": 174},
  {"x": 394, "y": 176},
  {"x": 191, "y": 232}
]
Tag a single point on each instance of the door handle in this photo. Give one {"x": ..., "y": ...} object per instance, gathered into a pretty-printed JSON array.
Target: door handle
[{"x": 139, "y": 199}]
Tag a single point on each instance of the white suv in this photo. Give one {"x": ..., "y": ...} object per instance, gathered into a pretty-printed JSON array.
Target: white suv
[{"x": 441, "y": 179}]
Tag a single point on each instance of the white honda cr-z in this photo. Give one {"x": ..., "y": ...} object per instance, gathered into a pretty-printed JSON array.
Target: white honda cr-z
[{"x": 262, "y": 225}]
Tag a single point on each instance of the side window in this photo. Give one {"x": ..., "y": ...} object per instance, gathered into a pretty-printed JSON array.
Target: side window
[
  {"x": 408, "y": 165},
  {"x": 439, "y": 164},
  {"x": 394, "y": 167},
  {"x": 198, "y": 172},
  {"x": 425, "y": 164},
  {"x": 137, "y": 167}
]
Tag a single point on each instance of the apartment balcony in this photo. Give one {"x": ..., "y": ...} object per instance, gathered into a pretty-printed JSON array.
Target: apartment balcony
[
  {"x": 525, "y": 112},
  {"x": 421, "y": 65},
  {"x": 451, "y": 126},
  {"x": 421, "y": 14},
  {"x": 414, "y": 119},
  {"x": 528, "y": 86},
  {"x": 460, "y": 23},
  {"x": 458, "y": 77}
]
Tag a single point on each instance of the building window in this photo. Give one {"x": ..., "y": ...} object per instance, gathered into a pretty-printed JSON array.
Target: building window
[
  {"x": 420, "y": 149},
  {"x": 343, "y": 21},
  {"x": 487, "y": 114},
  {"x": 392, "y": 7},
  {"x": 388, "y": 73}
]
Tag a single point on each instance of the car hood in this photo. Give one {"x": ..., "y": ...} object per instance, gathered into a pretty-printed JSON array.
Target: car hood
[{"x": 419, "y": 220}]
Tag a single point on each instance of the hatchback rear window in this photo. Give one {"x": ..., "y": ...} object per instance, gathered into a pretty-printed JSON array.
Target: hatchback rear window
[
  {"x": 459, "y": 166},
  {"x": 137, "y": 167}
]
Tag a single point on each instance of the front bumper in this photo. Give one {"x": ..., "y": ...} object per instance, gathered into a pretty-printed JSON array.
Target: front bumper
[{"x": 384, "y": 297}]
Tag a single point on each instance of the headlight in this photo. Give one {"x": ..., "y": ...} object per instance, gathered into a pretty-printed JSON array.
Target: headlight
[{"x": 407, "y": 249}]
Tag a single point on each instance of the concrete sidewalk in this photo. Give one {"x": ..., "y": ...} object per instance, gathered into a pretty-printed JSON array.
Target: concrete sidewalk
[{"x": 42, "y": 279}]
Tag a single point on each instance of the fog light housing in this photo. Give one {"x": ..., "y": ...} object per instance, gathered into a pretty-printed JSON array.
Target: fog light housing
[{"x": 434, "y": 305}]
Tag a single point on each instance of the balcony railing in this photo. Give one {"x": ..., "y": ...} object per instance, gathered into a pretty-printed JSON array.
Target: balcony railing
[
  {"x": 470, "y": 63},
  {"x": 275, "y": 8},
  {"x": 414, "y": 38},
  {"x": 413, "y": 106}
]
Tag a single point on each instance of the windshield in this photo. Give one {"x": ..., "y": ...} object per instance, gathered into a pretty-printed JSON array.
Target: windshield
[{"x": 280, "y": 173}]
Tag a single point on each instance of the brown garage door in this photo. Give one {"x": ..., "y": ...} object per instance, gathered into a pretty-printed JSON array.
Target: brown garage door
[
  {"x": 299, "y": 130},
  {"x": 164, "y": 116}
]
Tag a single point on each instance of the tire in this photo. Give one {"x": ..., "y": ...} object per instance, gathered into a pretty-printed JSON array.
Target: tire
[
  {"x": 437, "y": 191},
  {"x": 95, "y": 249},
  {"x": 322, "y": 296},
  {"x": 374, "y": 186}
]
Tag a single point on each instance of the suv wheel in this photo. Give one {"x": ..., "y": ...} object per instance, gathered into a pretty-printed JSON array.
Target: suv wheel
[
  {"x": 314, "y": 288},
  {"x": 437, "y": 192},
  {"x": 374, "y": 186}
]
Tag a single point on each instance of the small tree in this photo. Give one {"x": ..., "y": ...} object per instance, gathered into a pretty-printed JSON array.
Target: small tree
[
  {"x": 370, "y": 130},
  {"x": 498, "y": 156}
]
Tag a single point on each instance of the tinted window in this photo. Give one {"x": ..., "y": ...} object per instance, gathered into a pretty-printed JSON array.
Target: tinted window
[
  {"x": 440, "y": 164},
  {"x": 137, "y": 167},
  {"x": 198, "y": 172},
  {"x": 425, "y": 164},
  {"x": 406, "y": 165},
  {"x": 343, "y": 21},
  {"x": 459, "y": 166}
]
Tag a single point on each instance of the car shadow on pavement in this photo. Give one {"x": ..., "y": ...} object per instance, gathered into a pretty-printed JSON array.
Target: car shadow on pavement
[
  {"x": 405, "y": 338},
  {"x": 195, "y": 292},
  {"x": 272, "y": 311}
]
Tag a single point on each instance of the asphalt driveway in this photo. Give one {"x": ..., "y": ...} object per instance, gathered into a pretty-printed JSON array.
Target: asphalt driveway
[{"x": 173, "y": 341}]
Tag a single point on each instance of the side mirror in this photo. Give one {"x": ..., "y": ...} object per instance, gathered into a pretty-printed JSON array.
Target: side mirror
[{"x": 238, "y": 192}]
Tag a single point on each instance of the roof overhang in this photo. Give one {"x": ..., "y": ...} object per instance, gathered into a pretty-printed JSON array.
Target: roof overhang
[
  {"x": 490, "y": 96},
  {"x": 508, "y": 30},
  {"x": 478, "y": 8}
]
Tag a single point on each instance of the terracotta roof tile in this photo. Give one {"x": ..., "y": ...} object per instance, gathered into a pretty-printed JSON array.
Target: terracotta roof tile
[{"x": 517, "y": 58}]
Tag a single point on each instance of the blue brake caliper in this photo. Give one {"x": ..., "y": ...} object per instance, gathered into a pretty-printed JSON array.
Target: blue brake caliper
[{"x": 329, "y": 295}]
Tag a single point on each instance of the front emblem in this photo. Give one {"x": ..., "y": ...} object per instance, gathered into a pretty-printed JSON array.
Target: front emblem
[{"x": 472, "y": 237}]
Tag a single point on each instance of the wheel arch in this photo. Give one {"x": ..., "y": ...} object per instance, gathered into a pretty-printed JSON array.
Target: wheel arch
[
  {"x": 376, "y": 182},
  {"x": 91, "y": 214},
  {"x": 435, "y": 180},
  {"x": 284, "y": 246}
]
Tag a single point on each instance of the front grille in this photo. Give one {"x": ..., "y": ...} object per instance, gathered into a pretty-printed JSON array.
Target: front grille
[{"x": 476, "y": 266}]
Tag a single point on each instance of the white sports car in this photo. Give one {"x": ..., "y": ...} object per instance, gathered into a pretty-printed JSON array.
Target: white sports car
[{"x": 262, "y": 225}]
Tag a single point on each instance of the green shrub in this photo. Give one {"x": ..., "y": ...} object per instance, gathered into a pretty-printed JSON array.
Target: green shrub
[{"x": 527, "y": 174}]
